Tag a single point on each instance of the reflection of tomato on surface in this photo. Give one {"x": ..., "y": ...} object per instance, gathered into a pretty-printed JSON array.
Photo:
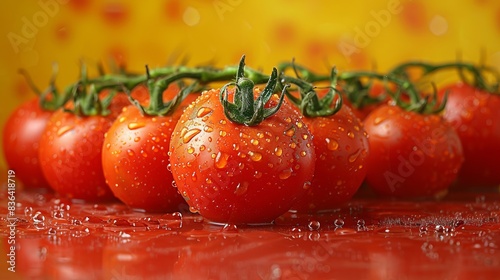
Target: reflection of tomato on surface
[
  {"x": 31, "y": 256},
  {"x": 77, "y": 255}
]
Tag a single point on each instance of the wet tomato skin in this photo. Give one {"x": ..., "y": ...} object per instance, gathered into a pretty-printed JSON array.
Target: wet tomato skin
[
  {"x": 232, "y": 173},
  {"x": 136, "y": 163},
  {"x": 21, "y": 136},
  {"x": 411, "y": 155},
  {"x": 70, "y": 153},
  {"x": 475, "y": 115},
  {"x": 341, "y": 146}
]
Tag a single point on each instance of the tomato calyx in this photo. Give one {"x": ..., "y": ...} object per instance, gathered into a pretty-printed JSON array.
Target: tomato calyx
[{"x": 245, "y": 108}]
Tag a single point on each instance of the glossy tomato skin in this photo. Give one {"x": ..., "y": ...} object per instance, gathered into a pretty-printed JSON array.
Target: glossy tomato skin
[
  {"x": 232, "y": 173},
  {"x": 135, "y": 160},
  {"x": 21, "y": 137},
  {"x": 342, "y": 149},
  {"x": 475, "y": 115},
  {"x": 411, "y": 155},
  {"x": 70, "y": 153}
]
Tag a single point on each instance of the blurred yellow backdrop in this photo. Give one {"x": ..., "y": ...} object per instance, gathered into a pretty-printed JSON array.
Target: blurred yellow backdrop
[{"x": 349, "y": 34}]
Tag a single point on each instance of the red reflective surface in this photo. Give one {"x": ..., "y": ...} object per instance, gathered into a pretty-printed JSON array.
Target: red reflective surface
[{"x": 369, "y": 238}]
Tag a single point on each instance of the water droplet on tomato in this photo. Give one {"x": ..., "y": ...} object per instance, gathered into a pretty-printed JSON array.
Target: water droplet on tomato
[
  {"x": 255, "y": 156},
  {"x": 222, "y": 122},
  {"x": 221, "y": 160},
  {"x": 285, "y": 174},
  {"x": 208, "y": 128},
  {"x": 203, "y": 111},
  {"x": 193, "y": 209},
  {"x": 278, "y": 151},
  {"x": 331, "y": 144},
  {"x": 108, "y": 145},
  {"x": 190, "y": 150},
  {"x": 244, "y": 136},
  {"x": 222, "y": 133},
  {"x": 290, "y": 132},
  {"x": 303, "y": 153},
  {"x": 305, "y": 136},
  {"x": 137, "y": 139},
  {"x": 230, "y": 228},
  {"x": 254, "y": 142},
  {"x": 307, "y": 185},
  {"x": 241, "y": 188},
  {"x": 258, "y": 174},
  {"x": 378, "y": 120},
  {"x": 194, "y": 177},
  {"x": 134, "y": 125},
  {"x": 202, "y": 148},
  {"x": 190, "y": 134},
  {"x": 130, "y": 152},
  {"x": 122, "y": 119},
  {"x": 353, "y": 157},
  {"x": 174, "y": 184},
  {"x": 64, "y": 129},
  {"x": 292, "y": 145},
  {"x": 350, "y": 134}
]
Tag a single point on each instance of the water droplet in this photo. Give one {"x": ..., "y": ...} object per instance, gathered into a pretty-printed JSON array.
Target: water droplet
[
  {"x": 134, "y": 125},
  {"x": 190, "y": 150},
  {"x": 290, "y": 132},
  {"x": 122, "y": 119},
  {"x": 338, "y": 223},
  {"x": 353, "y": 157},
  {"x": 285, "y": 174},
  {"x": 193, "y": 209},
  {"x": 292, "y": 145},
  {"x": 108, "y": 145},
  {"x": 303, "y": 153},
  {"x": 130, "y": 152},
  {"x": 169, "y": 167},
  {"x": 314, "y": 225},
  {"x": 244, "y": 136},
  {"x": 222, "y": 133},
  {"x": 28, "y": 211},
  {"x": 305, "y": 136},
  {"x": 255, "y": 156},
  {"x": 230, "y": 228},
  {"x": 38, "y": 218},
  {"x": 64, "y": 129},
  {"x": 378, "y": 120},
  {"x": 278, "y": 151},
  {"x": 332, "y": 145},
  {"x": 203, "y": 111},
  {"x": 241, "y": 188},
  {"x": 194, "y": 177},
  {"x": 221, "y": 160},
  {"x": 52, "y": 231},
  {"x": 254, "y": 142},
  {"x": 208, "y": 128},
  {"x": 137, "y": 139},
  {"x": 222, "y": 122},
  {"x": 350, "y": 135},
  {"x": 190, "y": 134}
]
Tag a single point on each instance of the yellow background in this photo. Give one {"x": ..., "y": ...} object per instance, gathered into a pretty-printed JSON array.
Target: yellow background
[{"x": 349, "y": 34}]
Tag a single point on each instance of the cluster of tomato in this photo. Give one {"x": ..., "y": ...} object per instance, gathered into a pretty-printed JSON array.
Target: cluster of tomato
[{"x": 242, "y": 154}]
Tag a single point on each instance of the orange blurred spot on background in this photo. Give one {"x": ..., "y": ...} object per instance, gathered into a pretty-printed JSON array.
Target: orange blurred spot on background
[
  {"x": 497, "y": 19},
  {"x": 414, "y": 16},
  {"x": 115, "y": 13},
  {"x": 284, "y": 32},
  {"x": 61, "y": 32},
  {"x": 173, "y": 10},
  {"x": 79, "y": 5}
]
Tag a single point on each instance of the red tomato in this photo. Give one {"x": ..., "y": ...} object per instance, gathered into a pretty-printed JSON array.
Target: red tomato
[
  {"x": 21, "y": 136},
  {"x": 70, "y": 152},
  {"x": 135, "y": 159},
  {"x": 411, "y": 155},
  {"x": 475, "y": 115},
  {"x": 232, "y": 173},
  {"x": 341, "y": 146}
]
